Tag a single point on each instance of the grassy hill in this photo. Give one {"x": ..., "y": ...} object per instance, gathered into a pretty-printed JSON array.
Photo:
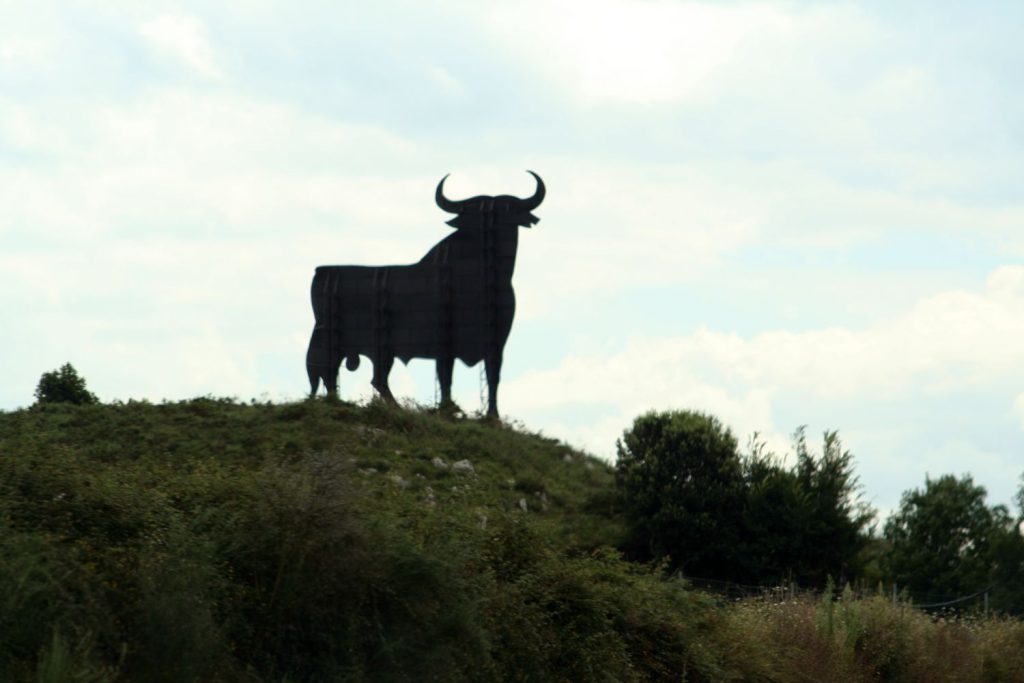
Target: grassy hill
[{"x": 215, "y": 540}]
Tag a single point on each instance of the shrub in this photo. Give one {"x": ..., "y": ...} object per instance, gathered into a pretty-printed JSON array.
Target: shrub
[
  {"x": 681, "y": 481},
  {"x": 63, "y": 386}
]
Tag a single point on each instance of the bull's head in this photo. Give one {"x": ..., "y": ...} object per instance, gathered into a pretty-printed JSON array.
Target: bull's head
[{"x": 481, "y": 211}]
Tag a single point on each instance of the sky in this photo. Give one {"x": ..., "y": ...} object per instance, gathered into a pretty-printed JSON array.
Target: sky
[{"x": 778, "y": 213}]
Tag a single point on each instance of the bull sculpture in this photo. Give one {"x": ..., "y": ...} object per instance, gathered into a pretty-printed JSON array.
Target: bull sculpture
[{"x": 454, "y": 303}]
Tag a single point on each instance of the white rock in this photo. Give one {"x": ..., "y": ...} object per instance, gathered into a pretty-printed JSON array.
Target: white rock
[
  {"x": 463, "y": 467},
  {"x": 523, "y": 506},
  {"x": 399, "y": 481},
  {"x": 439, "y": 463}
]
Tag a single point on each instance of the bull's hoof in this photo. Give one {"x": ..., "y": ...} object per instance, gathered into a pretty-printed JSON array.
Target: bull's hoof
[
  {"x": 450, "y": 409},
  {"x": 386, "y": 395}
]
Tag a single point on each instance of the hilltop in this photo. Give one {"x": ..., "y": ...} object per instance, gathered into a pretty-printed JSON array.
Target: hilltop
[
  {"x": 216, "y": 540},
  {"x": 412, "y": 460}
]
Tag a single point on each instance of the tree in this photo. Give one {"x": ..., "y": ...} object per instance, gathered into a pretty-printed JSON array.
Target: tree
[
  {"x": 1007, "y": 557},
  {"x": 943, "y": 538},
  {"x": 834, "y": 535},
  {"x": 775, "y": 514},
  {"x": 805, "y": 523},
  {"x": 680, "y": 478},
  {"x": 63, "y": 386},
  {"x": 1006, "y": 568}
]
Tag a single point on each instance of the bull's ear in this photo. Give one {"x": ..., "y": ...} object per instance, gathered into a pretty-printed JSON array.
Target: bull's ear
[
  {"x": 526, "y": 220},
  {"x": 465, "y": 221}
]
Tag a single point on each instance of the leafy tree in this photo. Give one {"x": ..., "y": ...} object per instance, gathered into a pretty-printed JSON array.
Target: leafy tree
[
  {"x": 63, "y": 386},
  {"x": 1019, "y": 500},
  {"x": 1006, "y": 568},
  {"x": 680, "y": 478},
  {"x": 944, "y": 537},
  {"x": 775, "y": 514},
  {"x": 1007, "y": 557},
  {"x": 805, "y": 523},
  {"x": 834, "y": 535}
]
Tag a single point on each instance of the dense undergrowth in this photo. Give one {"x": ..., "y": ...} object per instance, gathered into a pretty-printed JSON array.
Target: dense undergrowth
[{"x": 213, "y": 540}]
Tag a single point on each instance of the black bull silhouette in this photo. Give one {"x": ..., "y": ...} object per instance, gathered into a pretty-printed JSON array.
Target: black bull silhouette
[{"x": 456, "y": 302}]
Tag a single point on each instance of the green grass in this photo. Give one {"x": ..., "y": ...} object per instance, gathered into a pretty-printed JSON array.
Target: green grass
[{"x": 211, "y": 540}]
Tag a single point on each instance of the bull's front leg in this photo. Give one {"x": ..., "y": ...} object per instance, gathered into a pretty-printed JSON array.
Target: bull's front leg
[
  {"x": 381, "y": 369},
  {"x": 492, "y": 366},
  {"x": 445, "y": 368}
]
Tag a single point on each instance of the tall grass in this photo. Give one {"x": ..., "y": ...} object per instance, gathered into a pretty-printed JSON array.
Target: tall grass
[{"x": 871, "y": 639}]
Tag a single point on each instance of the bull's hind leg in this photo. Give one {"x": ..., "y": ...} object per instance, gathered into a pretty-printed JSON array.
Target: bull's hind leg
[
  {"x": 331, "y": 378},
  {"x": 492, "y": 365},
  {"x": 381, "y": 369},
  {"x": 319, "y": 365}
]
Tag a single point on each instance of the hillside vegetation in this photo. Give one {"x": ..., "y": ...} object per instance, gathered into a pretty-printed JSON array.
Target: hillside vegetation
[{"x": 210, "y": 540}]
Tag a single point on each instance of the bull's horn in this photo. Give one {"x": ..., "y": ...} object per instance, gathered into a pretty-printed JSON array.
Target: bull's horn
[
  {"x": 538, "y": 196},
  {"x": 446, "y": 204}
]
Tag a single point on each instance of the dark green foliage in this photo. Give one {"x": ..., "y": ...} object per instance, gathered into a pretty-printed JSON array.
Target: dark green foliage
[
  {"x": 837, "y": 520},
  {"x": 63, "y": 386},
  {"x": 1006, "y": 574},
  {"x": 595, "y": 618},
  {"x": 805, "y": 523},
  {"x": 681, "y": 482},
  {"x": 775, "y": 516},
  {"x": 941, "y": 537},
  {"x": 208, "y": 540},
  {"x": 688, "y": 495},
  {"x": 946, "y": 542}
]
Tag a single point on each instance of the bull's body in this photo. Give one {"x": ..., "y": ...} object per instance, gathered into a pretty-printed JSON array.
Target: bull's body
[{"x": 457, "y": 302}]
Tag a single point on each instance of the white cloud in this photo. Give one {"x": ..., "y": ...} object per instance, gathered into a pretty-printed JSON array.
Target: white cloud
[
  {"x": 946, "y": 343},
  {"x": 183, "y": 37},
  {"x": 24, "y": 50},
  {"x": 647, "y": 52},
  {"x": 176, "y": 162},
  {"x": 175, "y": 239},
  {"x": 443, "y": 78},
  {"x": 1018, "y": 408}
]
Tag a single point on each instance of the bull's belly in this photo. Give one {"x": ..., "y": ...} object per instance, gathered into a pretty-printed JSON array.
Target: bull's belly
[
  {"x": 468, "y": 343},
  {"x": 409, "y": 318}
]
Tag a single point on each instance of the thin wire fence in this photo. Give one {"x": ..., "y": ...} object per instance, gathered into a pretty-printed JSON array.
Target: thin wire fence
[{"x": 935, "y": 603}]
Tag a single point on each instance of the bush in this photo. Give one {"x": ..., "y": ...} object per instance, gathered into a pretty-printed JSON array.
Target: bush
[
  {"x": 63, "y": 386},
  {"x": 803, "y": 523},
  {"x": 681, "y": 481}
]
